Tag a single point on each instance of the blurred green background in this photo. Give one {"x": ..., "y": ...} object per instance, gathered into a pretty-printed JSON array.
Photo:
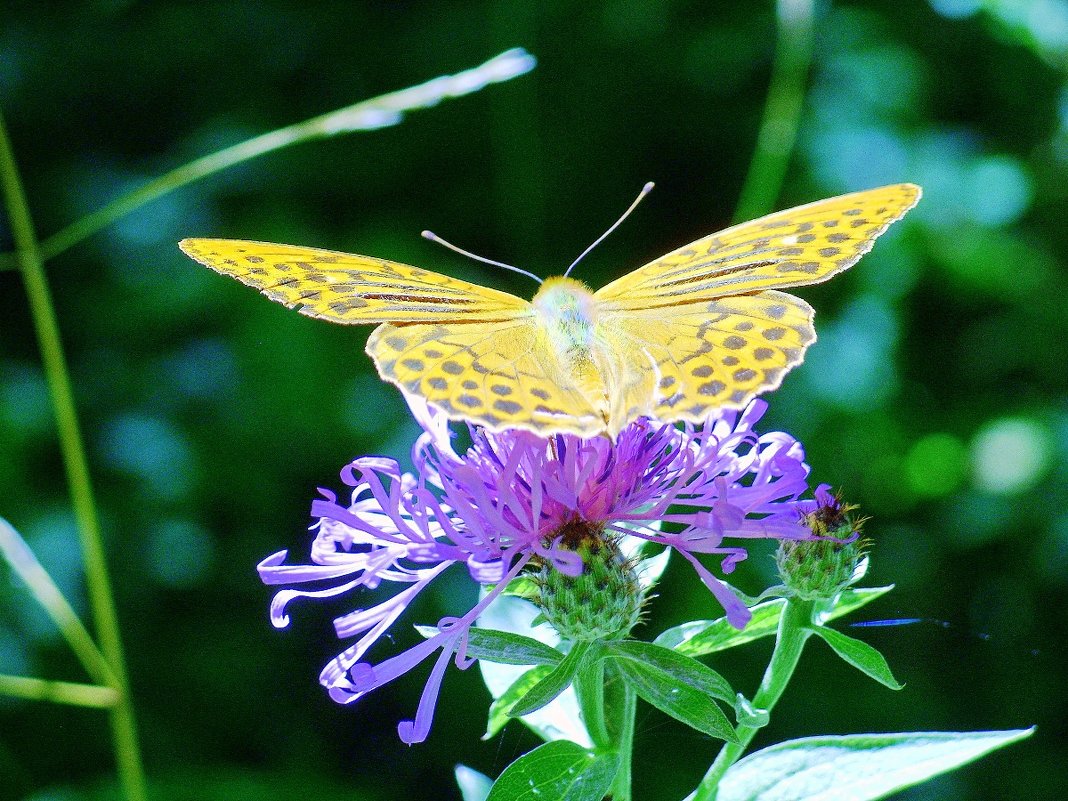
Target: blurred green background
[{"x": 936, "y": 397}]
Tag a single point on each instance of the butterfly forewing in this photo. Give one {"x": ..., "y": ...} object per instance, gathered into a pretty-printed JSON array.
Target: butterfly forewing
[
  {"x": 346, "y": 288},
  {"x": 803, "y": 245}
]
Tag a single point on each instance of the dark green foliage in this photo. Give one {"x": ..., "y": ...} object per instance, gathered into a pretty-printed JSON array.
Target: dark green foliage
[{"x": 935, "y": 397}]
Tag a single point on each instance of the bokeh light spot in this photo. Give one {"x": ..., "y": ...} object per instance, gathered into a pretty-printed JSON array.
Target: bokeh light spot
[
  {"x": 997, "y": 190},
  {"x": 149, "y": 449},
  {"x": 14, "y": 655},
  {"x": 956, "y": 9},
  {"x": 25, "y": 405},
  {"x": 203, "y": 369},
  {"x": 936, "y": 465},
  {"x": 1009, "y": 455},
  {"x": 976, "y": 518},
  {"x": 180, "y": 553},
  {"x": 851, "y": 365},
  {"x": 53, "y": 538}
]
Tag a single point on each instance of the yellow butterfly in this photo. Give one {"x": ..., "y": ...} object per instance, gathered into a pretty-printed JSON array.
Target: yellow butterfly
[{"x": 700, "y": 328}]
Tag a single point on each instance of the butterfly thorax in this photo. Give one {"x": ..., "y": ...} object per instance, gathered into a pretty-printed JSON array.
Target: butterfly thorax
[
  {"x": 568, "y": 312},
  {"x": 568, "y": 315}
]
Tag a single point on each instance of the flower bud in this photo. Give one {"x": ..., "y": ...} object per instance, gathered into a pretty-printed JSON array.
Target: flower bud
[
  {"x": 603, "y": 602},
  {"x": 822, "y": 567}
]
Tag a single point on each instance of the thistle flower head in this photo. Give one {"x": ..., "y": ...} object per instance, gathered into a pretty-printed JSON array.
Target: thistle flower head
[
  {"x": 514, "y": 500},
  {"x": 603, "y": 602},
  {"x": 822, "y": 566}
]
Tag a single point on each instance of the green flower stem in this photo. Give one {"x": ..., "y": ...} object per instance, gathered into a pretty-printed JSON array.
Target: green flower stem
[
  {"x": 589, "y": 687},
  {"x": 60, "y": 692},
  {"x": 21, "y": 559},
  {"x": 608, "y": 705},
  {"x": 127, "y": 750},
  {"x": 623, "y": 705},
  {"x": 794, "y": 629},
  {"x": 782, "y": 110},
  {"x": 367, "y": 115}
]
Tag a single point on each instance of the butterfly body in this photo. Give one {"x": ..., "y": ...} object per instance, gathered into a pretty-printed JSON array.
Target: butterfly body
[
  {"x": 700, "y": 328},
  {"x": 567, "y": 312}
]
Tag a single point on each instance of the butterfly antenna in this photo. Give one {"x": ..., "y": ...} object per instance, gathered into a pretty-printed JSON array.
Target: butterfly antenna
[
  {"x": 641, "y": 195},
  {"x": 438, "y": 240}
]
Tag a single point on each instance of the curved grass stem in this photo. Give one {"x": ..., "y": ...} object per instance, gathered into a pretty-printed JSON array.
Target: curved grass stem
[
  {"x": 782, "y": 110},
  {"x": 367, "y": 115},
  {"x": 98, "y": 584},
  {"x": 21, "y": 559},
  {"x": 60, "y": 692}
]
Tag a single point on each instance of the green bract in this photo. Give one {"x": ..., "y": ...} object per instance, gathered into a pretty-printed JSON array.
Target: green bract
[{"x": 604, "y": 602}]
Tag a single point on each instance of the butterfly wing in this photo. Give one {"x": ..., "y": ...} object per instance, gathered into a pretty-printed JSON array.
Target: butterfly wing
[
  {"x": 497, "y": 374},
  {"x": 803, "y": 245},
  {"x": 681, "y": 362},
  {"x": 345, "y": 288},
  {"x": 476, "y": 353}
]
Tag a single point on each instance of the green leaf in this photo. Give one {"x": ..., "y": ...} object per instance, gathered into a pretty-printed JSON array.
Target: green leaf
[
  {"x": 860, "y": 655},
  {"x": 692, "y": 707},
  {"x": 748, "y": 715},
  {"x": 499, "y": 709},
  {"x": 851, "y": 600},
  {"x": 708, "y": 636},
  {"x": 555, "y": 683},
  {"x": 474, "y": 786},
  {"x": 701, "y": 637},
  {"x": 557, "y": 770},
  {"x": 504, "y": 647},
  {"x": 523, "y": 587},
  {"x": 856, "y": 767},
  {"x": 559, "y": 720},
  {"x": 507, "y": 648},
  {"x": 679, "y": 667}
]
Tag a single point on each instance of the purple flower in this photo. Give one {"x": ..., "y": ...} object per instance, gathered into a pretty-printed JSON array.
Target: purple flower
[{"x": 510, "y": 499}]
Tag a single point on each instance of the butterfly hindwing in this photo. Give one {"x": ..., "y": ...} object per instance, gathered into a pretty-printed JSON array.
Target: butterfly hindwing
[
  {"x": 681, "y": 362},
  {"x": 346, "y": 288},
  {"x": 803, "y": 245},
  {"x": 499, "y": 375}
]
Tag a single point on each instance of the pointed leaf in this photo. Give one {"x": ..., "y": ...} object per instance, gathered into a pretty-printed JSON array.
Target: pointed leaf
[
  {"x": 748, "y": 715},
  {"x": 473, "y": 785},
  {"x": 523, "y": 587},
  {"x": 692, "y": 707},
  {"x": 708, "y": 636},
  {"x": 559, "y": 720},
  {"x": 510, "y": 649},
  {"x": 503, "y": 647},
  {"x": 680, "y": 667},
  {"x": 498, "y": 711},
  {"x": 557, "y": 770},
  {"x": 555, "y": 683},
  {"x": 856, "y": 767},
  {"x": 701, "y": 637},
  {"x": 860, "y": 655}
]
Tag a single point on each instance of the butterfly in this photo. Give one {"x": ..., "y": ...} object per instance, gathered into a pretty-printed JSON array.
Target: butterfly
[{"x": 701, "y": 328}]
